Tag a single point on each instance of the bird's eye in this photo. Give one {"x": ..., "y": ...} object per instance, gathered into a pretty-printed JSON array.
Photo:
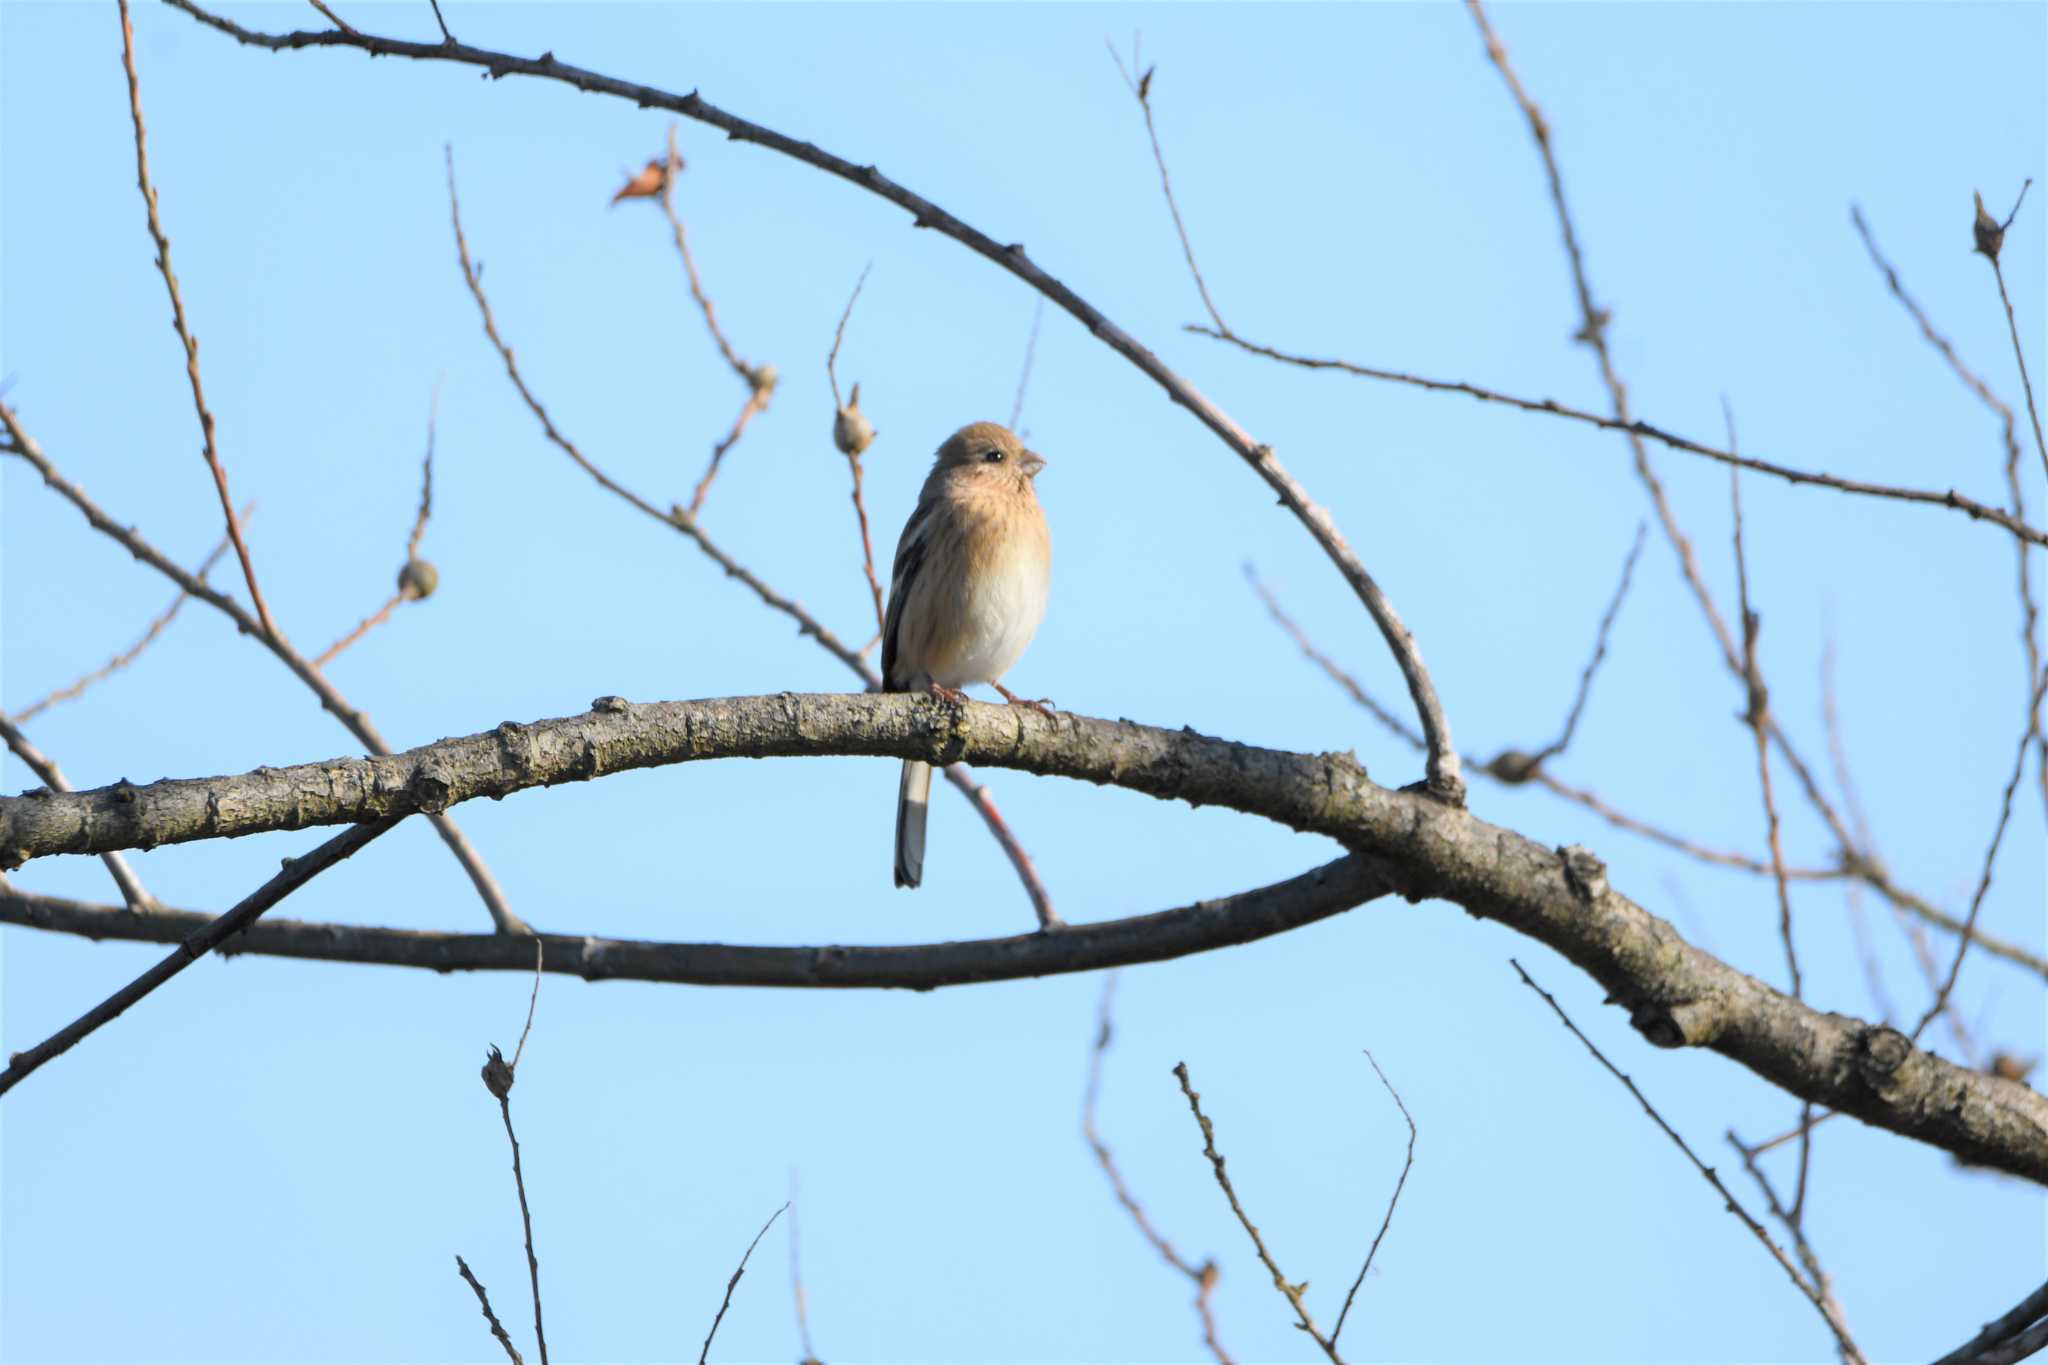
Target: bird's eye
[{"x": 993, "y": 455}]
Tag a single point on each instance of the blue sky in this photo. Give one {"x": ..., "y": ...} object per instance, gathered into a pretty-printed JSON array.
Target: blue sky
[{"x": 277, "y": 1161}]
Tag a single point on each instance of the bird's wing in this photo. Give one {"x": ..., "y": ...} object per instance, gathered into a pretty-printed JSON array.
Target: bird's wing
[{"x": 910, "y": 557}]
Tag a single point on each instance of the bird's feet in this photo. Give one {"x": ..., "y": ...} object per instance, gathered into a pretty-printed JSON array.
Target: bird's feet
[
  {"x": 1043, "y": 706},
  {"x": 952, "y": 696}
]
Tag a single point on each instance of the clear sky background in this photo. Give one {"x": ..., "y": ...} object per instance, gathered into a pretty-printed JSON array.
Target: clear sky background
[{"x": 274, "y": 1161}]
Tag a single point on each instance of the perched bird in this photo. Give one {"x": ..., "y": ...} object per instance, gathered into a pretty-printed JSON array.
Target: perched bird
[{"x": 966, "y": 594}]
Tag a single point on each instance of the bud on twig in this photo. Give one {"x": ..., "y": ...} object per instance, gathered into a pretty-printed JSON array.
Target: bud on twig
[
  {"x": 497, "y": 1075},
  {"x": 1990, "y": 236},
  {"x": 418, "y": 579},
  {"x": 851, "y": 430}
]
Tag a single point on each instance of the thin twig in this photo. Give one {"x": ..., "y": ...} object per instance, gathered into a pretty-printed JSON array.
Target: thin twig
[
  {"x": 1571, "y": 720},
  {"x": 704, "y": 304},
  {"x": 21, "y": 444},
  {"x": 1955, "y": 967},
  {"x": 1291, "y": 1292},
  {"x": 191, "y": 343},
  {"x": 1734, "y": 1205},
  {"x": 483, "y": 1299},
  {"x": 1637, "y": 430},
  {"x": 732, "y": 1283},
  {"x": 1988, "y": 245},
  {"x": 1794, "y": 1225},
  {"x": 540, "y": 962},
  {"x": 2029, "y": 611},
  {"x": 796, "y": 1280},
  {"x": 958, "y": 774},
  {"x": 1024, "y": 375},
  {"x": 368, "y": 624},
  {"x": 297, "y": 872},
  {"x": 331, "y": 16},
  {"x": 757, "y": 402},
  {"x": 1140, "y": 84},
  {"x": 133, "y": 893},
  {"x": 1407, "y": 1163},
  {"x": 77, "y": 687},
  {"x": 1203, "y": 1276},
  {"x": 852, "y": 433},
  {"x": 1757, "y": 713}
]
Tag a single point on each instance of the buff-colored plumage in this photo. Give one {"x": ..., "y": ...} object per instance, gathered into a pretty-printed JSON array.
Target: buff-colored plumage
[{"x": 967, "y": 592}]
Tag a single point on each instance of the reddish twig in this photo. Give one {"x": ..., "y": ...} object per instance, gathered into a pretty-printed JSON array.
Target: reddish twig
[
  {"x": 1821, "y": 1302},
  {"x": 331, "y": 16},
  {"x": 368, "y": 624},
  {"x": 191, "y": 343},
  {"x": 297, "y": 872},
  {"x": 757, "y": 402},
  {"x": 77, "y": 687},
  {"x": 733, "y": 1283},
  {"x": 1407, "y": 1164},
  {"x": 704, "y": 304},
  {"x": 1203, "y": 1276},
  {"x": 1794, "y": 1224},
  {"x": 1291, "y": 1292}
]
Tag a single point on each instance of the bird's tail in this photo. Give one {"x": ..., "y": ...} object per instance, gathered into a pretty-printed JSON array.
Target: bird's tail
[{"x": 912, "y": 799}]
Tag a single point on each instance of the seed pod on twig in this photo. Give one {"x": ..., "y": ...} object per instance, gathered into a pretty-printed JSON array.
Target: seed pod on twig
[
  {"x": 418, "y": 579},
  {"x": 852, "y": 432}
]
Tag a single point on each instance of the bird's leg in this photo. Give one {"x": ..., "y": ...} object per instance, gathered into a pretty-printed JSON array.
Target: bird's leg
[
  {"x": 1043, "y": 706},
  {"x": 952, "y": 696}
]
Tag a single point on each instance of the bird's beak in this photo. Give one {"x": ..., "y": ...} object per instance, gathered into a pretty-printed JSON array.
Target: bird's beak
[{"x": 1033, "y": 462}]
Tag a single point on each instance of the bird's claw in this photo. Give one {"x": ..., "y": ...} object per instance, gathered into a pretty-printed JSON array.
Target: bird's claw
[
  {"x": 1043, "y": 705},
  {"x": 952, "y": 696}
]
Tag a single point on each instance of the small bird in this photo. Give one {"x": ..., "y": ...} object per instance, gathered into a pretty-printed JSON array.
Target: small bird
[{"x": 966, "y": 594}]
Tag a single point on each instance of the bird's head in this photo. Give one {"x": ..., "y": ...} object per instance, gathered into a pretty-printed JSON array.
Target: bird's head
[{"x": 986, "y": 452}]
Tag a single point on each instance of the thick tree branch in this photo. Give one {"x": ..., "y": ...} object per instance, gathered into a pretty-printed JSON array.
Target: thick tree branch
[
  {"x": 1676, "y": 994},
  {"x": 1445, "y": 779}
]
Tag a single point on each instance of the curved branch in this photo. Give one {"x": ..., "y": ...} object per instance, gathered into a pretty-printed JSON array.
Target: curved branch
[
  {"x": 1677, "y": 995},
  {"x": 1445, "y": 779},
  {"x": 1199, "y": 928}
]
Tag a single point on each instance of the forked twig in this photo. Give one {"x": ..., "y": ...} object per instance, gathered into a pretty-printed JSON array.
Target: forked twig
[
  {"x": 1820, "y": 1302},
  {"x": 1407, "y": 1164},
  {"x": 133, "y": 893},
  {"x": 1291, "y": 1292},
  {"x": 484, "y": 1301}
]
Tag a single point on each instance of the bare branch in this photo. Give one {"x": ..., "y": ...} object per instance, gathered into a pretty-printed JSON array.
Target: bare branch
[
  {"x": 1291, "y": 1292},
  {"x": 21, "y": 444},
  {"x": 297, "y": 872},
  {"x": 462, "y": 1266},
  {"x": 1202, "y": 1276},
  {"x": 1955, "y": 967},
  {"x": 191, "y": 343},
  {"x": 1445, "y": 780},
  {"x": 1822, "y": 1303},
  {"x": 1637, "y": 430},
  {"x": 733, "y": 1283},
  {"x": 852, "y": 433},
  {"x": 1990, "y": 238},
  {"x": 1407, "y": 1164}
]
